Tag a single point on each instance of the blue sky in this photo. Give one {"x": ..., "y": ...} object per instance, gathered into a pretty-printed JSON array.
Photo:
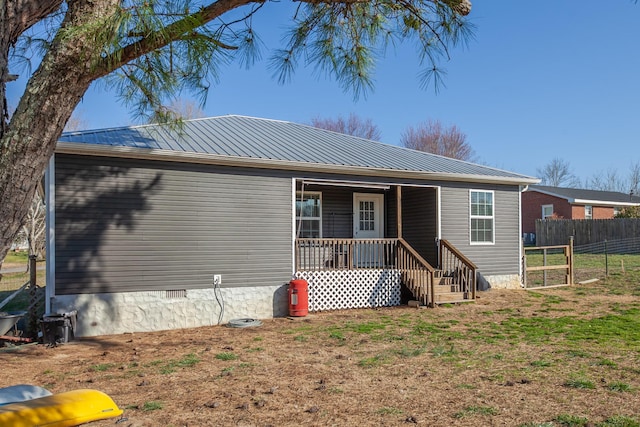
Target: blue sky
[{"x": 541, "y": 80}]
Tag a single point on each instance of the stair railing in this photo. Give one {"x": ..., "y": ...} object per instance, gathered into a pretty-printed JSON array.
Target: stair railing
[
  {"x": 417, "y": 274},
  {"x": 459, "y": 269}
]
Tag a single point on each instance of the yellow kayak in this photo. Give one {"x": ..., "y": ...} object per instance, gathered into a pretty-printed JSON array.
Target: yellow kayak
[{"x": 66, "y": 409}]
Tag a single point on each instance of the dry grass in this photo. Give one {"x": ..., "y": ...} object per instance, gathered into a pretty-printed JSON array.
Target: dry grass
[{"x": 566, "y": 356}]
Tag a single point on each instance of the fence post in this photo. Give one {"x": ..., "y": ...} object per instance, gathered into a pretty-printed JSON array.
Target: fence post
[
  {"x": 570, "y": 278},
  {"x": 606, "y": 259},
  {"x": 544, "y": 263},
  {"x": 524, "y": 269},
  {"x": 32, "y": 320}
]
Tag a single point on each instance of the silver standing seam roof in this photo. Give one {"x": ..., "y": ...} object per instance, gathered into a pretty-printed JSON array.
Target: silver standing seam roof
[{"x": 255, "y": 142}]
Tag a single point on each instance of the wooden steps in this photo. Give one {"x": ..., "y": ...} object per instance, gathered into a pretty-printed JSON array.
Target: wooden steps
[
  {"x": 451, "y": 297},
  {"x": 446, "y": 291}
]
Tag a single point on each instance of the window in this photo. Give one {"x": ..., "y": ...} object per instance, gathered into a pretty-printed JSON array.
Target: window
[
  {"x": 309, "y": 215},
  {"x": 547, "y": 211},
  {"x": 367, "y": 212},
  {"x": 616, "y": 211},
  {"x": 482, "y": 217},
  {"x": 588, "y": 212}
]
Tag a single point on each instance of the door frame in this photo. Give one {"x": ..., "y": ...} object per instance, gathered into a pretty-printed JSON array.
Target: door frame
[{"x": 378, "y": 212}]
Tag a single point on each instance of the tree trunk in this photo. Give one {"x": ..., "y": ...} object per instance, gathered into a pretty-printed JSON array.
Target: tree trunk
[{"x": 28, "y": 141}]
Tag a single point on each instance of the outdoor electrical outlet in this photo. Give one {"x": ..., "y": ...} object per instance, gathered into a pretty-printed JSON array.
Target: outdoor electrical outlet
[{"x": 217, "y": 279}]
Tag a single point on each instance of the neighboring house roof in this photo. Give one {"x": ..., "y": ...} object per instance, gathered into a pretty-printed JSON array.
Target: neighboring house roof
[
  {"x": 255, "y": 142},
  {"x": 588, "y": 197}
]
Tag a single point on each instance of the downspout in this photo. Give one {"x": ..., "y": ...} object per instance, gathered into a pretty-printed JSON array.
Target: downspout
[
  {"x": 399, "y": 211},
  {"x": 520, "y": 243}
]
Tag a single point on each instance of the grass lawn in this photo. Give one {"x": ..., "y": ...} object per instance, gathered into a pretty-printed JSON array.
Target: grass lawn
[
  {"x": 556, "y": 357},
  {"x": 586, "y": 266},
  {"x": 12, "y": 258}
]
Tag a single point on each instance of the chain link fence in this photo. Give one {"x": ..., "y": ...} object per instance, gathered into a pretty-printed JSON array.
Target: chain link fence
[
  {"x": 597, "y": 260},
  {"x": 22, "y": 289},
  {"x": 590, "y": 261},
  {"x": 13, "y": 277},
  {"x": 18, "y": 293}
]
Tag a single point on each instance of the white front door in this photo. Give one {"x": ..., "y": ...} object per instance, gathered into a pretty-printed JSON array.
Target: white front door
[
  {"x": 368, "y": 223},
  {"x": 368, "y": 219}
]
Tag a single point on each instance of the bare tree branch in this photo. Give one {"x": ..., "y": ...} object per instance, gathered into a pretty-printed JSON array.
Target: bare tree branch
[
  {"x": 432, "y": 137},
  {"x": 353, "y": 125},
  {"x": 557, "y": 173}
]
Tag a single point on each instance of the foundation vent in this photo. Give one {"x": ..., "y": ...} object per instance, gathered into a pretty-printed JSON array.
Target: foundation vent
[{"x": 175, "y": 293}]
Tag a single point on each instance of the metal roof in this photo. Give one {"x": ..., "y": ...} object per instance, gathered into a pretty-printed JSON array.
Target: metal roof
[
  {"x": 581, "y": 196},
  {"x": 260, "y": 142}
]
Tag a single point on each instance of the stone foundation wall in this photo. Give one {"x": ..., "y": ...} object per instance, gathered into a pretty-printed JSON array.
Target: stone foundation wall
[
  {"x": 505, "y": 281},
  {"x": 105, "y": 314}
]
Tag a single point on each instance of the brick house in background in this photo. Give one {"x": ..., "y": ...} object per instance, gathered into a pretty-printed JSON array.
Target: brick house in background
[{"x": 542, "y": 202}]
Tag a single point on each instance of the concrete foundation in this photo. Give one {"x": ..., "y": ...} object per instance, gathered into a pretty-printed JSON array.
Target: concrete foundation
[{"x": 116, "y": 313}]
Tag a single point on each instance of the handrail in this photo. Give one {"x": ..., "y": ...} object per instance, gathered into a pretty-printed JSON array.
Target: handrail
[
  {"x": 417, "y": 274},
  {"x": 454, "y": 264},
  {"x": 414, "y": 253},
  {"x": 458, "y": 254}
]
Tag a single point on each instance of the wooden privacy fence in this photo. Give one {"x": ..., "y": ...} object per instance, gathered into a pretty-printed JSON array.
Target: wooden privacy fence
[
  {"x": 585, "y": 231},
  {"x": 545, "y": 260}
]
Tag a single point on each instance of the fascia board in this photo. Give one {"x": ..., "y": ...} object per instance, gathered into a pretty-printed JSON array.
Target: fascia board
[
  {"x": 601, "y": 203},
  {"x": 213, "y": 159},
  {"x": 549, "y": 193},
  {"x": 574, "y": 201}
]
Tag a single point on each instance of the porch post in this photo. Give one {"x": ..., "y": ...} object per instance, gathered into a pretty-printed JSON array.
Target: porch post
[{"x": 399, "y": 210}]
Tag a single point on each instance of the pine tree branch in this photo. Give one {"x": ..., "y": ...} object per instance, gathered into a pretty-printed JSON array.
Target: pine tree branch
[
  {"x": 171, "y": 32},
  {"x": 23, "y": 14}
]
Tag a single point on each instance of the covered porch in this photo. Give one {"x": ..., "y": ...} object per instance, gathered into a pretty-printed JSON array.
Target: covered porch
[{"x": 372, "y": 245}]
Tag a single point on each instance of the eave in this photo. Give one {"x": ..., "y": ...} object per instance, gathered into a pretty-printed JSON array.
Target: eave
[
  {"x": 591, "y": 202},
  {"x": 249, "y": 162}
]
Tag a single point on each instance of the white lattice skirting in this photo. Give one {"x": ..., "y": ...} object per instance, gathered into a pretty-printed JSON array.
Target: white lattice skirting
[{"x": 340, "y": 289}]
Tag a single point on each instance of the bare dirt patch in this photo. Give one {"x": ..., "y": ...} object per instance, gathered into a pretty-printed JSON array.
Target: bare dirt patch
[{"x": 487, "y": 363}]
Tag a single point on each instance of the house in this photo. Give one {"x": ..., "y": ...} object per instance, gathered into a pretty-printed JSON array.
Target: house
[
  {"x": 153, "y": 227},
  {"x": 542, "y": 202}
]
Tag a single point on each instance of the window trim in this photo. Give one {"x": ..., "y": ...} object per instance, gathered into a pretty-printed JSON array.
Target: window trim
[
  {"x": 492, "y": 217},
  {"x": 299, "y": 219},
  {"x": 590, "y": 212},
  {"x": 547, "y": 216}
]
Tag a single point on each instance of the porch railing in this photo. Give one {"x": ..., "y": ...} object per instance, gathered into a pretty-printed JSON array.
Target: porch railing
[
  {"x": 348, "y": 254},
  {"x": 458, "y": 271},
  {"x": 344, "y": 254}
]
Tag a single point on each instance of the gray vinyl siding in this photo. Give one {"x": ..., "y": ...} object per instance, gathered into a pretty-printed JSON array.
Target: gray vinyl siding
[
  {"x": 502, "y": 257},
  {"x": 135, "y": 225},
  {"x": 132, "y": 225},
  {"x": 337, "y": 212},
  {"x": 391, "y": 212},
  {"x": 419, "y": 219}
]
